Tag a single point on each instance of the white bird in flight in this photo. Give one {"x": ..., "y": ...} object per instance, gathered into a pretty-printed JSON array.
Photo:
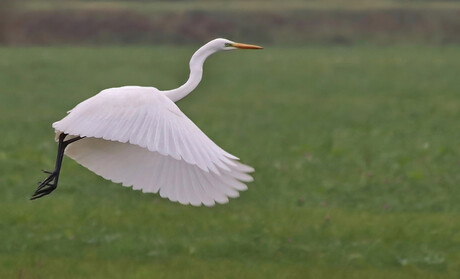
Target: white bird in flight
[{"x": 138, "y": 136}]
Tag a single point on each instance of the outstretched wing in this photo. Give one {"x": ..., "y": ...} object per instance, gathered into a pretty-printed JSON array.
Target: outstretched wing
[
  {"x": 152, "y": 172},
  {"x": 145, "y": 117},
  {"x": 137, "y": 136}
]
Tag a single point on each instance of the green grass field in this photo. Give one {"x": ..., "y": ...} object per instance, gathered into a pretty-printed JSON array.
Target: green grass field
[{"x": 356, "y": 151}]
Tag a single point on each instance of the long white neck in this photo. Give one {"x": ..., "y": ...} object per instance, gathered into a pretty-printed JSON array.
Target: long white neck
[{"x": 196, "y": 73}]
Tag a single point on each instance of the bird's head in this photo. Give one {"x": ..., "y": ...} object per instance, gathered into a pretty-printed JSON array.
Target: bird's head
[{"x": 224, "y": 44}]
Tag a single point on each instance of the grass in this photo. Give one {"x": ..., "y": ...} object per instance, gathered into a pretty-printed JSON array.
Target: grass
[{"x": 355, "y": 149}]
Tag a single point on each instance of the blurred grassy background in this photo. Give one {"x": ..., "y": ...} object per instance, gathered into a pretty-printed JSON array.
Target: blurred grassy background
[
  {"x": 354, "y": 137},
  {"x": 282, "y": 22}
]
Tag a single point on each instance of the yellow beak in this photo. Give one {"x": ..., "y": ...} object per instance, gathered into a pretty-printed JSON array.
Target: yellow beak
[{"x": 246, "y": 46}]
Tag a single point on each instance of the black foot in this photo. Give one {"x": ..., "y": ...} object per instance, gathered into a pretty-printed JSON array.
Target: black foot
[
  {"x": 51, "y": 182},
  {"x": 47, "y": 186}
]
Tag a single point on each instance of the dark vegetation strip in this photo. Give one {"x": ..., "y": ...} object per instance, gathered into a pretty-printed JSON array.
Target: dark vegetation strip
[{"x": 289, "y": 27}]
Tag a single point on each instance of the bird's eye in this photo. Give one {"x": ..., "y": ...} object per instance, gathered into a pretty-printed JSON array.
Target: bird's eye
[{"x": 228, "y": 44}]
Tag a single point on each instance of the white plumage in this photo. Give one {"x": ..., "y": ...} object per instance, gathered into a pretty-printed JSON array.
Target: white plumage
[{"x": 138, "y": 136}]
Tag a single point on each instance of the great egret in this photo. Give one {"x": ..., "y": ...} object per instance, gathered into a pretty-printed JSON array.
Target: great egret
[{"x": 137, "y": 136}]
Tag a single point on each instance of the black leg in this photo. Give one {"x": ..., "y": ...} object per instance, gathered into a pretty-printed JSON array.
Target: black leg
[{"x": 50, "y": 183}]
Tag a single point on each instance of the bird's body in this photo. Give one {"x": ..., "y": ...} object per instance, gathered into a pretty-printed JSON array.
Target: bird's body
[{"x": 138, "y": 136}]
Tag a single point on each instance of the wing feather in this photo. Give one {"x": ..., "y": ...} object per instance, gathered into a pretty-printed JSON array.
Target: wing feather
[
  {"x": 150, "y": 171},
  {"x": 171, "y": 190},
  {"x": 138, "y": 137},
  {"x": 145, "y": 117}
]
